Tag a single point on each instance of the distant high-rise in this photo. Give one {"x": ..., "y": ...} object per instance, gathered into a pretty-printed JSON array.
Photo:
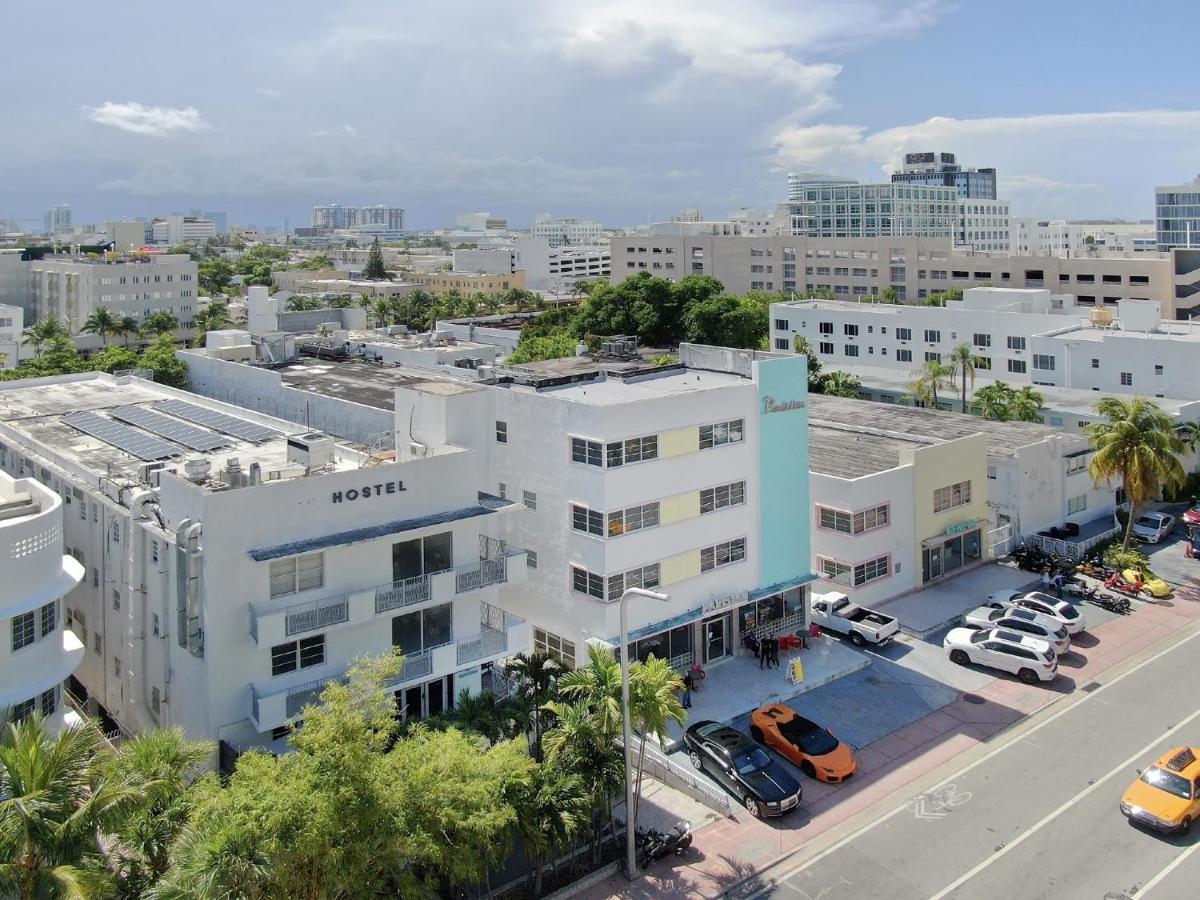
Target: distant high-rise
[
  {"x": 58, "y": 219},
  {"x": 797, "y": 182},
  {"x": 389, "y": 217},
  {"x": 334, "y": 215},
  {"x": 942, "y": 170},
  {"x": 567, "y": 232},
  {"x": 371, "y": 218},
  {"x": 820, "y": 206},
  {"x": 1177, "y": 215}
]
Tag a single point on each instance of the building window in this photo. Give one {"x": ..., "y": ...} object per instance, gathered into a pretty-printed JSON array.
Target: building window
[
  {"x": 991, "y": 472},
  {"x": 983, "y": 340},
  {"x": 1043, "y": 361},
  {"x": 531, "y": 559},
  {"x": 1126, "y": 378},
  {"x": 723, "y": 496},
  {"x": 19, "y": 712},
  {"x": 49, "y": 702},
  {"x": 116, "y": 667},
  {"x": 851, "y": 350},
  {"x": 1077, "y": 504},
  {"x": 590, "y": 453},
  {"x": 1016, "y": 343},
  {"x": 1016, "y": 365},
  {"x": 641, "y": 577},
  {"x": 825, "y": 347},
  {"x": 722, "y": 554},
  {"x": 295, "y": 655},
  {"x": 850, "y": 330},
  {"x": 904, "y": 334},
  {"x": 781, "y": 325},
  {"x": 557, "y": 648},
  {"x": 49, "y": 618},
  {"x": 23, "y": 633},
  {"x": 952, "y": 496},
  {"x": 871, "y": 570},
  {"x": 154, "y": 628},
  {"x": 834, "y": 570},
  {"x": 782, "y": 344},
  {"x": 721, "y": 433},
  {"x": 825, "y": 327},
  {"x": 932, "y": 336},
  {"x": 585, "y": 582},
  {"x": 854, "y": 523},
  {"x": 502, "y": 490},
  {"x": 1095, "y": 363},
  {"x": 98, "y": 643},
  {"x": 501, "y": 432},
  {"x": 297, "y": 573},
  {"x": 634, "y": 518},
  {"x": 1158, "y": 370},
  {"x": 587, "y": 520},
  {"x": 930, "y": 356},
  {"x": 155, "y": 700},
  {"x": 633, "y": 450},
  {"x": 903, "y": 355}
]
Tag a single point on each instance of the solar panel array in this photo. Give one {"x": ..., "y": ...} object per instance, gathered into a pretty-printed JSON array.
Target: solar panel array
[
  {"x": 218, "y": 421},
  {"x": 131, "y": 440},
  {"x": 172, "y": 429}
]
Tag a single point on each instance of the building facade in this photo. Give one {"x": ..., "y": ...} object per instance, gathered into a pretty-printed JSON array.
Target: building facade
[
  {"x": 942, "y": 169},
  {"x": 984, "y": 225},
  {"x": 567, "y": 232},
  {"x": 1177, "y": 215},
  {"x": 37, "y": 654},
  {"x": 182, "y": 229},
  {"x": 58, "y": 219},
  {"x": 871, "y": 210},
  {"x": 12, "y": 324}
]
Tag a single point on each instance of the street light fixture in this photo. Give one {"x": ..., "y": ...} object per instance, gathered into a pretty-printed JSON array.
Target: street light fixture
[{"x": 627, "y": 731}]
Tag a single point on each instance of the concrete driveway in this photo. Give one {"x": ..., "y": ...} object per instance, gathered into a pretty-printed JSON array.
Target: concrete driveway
[{"x": 930, "y": 609}]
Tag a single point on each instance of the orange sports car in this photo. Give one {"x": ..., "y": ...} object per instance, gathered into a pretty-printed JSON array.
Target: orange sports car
[{"x": 814, "y": 749}]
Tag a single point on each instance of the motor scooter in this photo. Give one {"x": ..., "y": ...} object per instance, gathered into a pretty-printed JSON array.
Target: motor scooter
[{"x": 654, "y": 845}]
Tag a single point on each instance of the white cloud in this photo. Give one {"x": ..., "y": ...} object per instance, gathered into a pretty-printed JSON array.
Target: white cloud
[
  {"x": 269, "y": 92},
  {"x": 156, "y": 121}
]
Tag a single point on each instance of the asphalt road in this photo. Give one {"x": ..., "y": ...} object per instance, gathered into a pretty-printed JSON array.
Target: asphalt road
[{"x": 1037, "y": 817}]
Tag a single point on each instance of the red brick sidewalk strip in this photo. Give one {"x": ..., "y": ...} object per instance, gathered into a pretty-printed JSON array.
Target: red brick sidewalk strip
[{"x": 731, "y": 851}]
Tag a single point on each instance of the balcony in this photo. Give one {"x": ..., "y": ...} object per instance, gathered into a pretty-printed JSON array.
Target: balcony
[
  {"x": 270, "y": 625},
  {"x": 501, "y": 634}
]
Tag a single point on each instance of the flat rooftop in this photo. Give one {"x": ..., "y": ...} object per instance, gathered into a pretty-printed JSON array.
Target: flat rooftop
[
  {"x": 406, "y": 341},
  {"x": 670, "y": 382},
  {"x": 850, "y": 454},
  {"x": 1167, "y": 330},
  {"x": 41, "y": 413},
  {"x": 353, "y": 380}
]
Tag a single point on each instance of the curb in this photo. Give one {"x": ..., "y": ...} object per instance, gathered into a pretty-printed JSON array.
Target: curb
[{"x": 587, "y": 881}]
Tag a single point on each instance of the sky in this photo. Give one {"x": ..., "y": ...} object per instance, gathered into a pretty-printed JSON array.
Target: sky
[{"x": 621, "y": 111}]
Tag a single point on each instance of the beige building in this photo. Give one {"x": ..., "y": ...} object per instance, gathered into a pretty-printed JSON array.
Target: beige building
[
  {"x": 465, "y": 283},
  {"x": 914, "y": 267}
]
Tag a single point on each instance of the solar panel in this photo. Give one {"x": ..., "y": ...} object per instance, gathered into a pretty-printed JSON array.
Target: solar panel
[
  {"x": 218, "y": 421},
  {"x": 172, "y": 429},
  {"x": 131, "y": 440}
]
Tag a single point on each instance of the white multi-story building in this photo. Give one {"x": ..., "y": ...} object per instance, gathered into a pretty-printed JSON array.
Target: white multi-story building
[
  {"x": 1177, "y": 215},
  {"x": 937, "y": 168},
  {"x": 58, "y": 219},
  {"x": 36, "y": 653},
  {"x": 387, "y": 218},
  {"x": 545, "y": 267},
  {"x": 754, "y": 221},
  {"x": 12, "y": 323},
  {"x": 567, "y": 232},
  {"x": 181, "y": 229},
  {"x": 983, "y": 225},
  {"x": 70, "y": 288},
  {"x": 840, "y": 210},
  {"x": 334, "y": 215},
  {"x": 1017, "y": 336}
]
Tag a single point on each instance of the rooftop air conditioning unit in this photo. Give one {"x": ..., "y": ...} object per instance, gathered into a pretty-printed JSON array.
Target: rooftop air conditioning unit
[
  {"x": 312, "y": 451},
  {"x": 147, "y": 472},
  {"x": 198, "y": 469},
  {"x": 486, "y": 372}
]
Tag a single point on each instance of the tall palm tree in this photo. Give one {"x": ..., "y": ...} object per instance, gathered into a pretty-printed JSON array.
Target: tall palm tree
[
  {"x": 535, "y": 675},
  {"x": 654, "y": 689},
  {"x": 381, "y": 312},
  {"x": 43, "y": 333},
  {"x": 102, "y": 322},
  {"x": 51, "y": 813},
  {"x": 551, "y": 806},
  {"x": 1136, "y": 444},
  {"x": 126, "y": 327},
  {"x": 962, "y": 360},
  {"x": 1026, "y": 405},
  {"x": 932, "y": 375},
  {"x": 598, "y": 684},
  {"x": 1189, "y": 433}
]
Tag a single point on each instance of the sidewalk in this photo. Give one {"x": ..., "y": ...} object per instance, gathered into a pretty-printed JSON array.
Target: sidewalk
[{"x": 731, "y": 851}]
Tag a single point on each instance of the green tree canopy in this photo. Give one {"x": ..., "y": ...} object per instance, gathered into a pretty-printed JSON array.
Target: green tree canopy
[
  {"x": 726, "y": 320},
  {"x": 375, "y": 269},
  {"x": 214, "y": 275},
  {"x": 160, "y": 358}
]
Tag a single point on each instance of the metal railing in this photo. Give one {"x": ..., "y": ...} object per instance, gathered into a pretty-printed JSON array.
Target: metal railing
[
  {"x": 487, "y": 643},
  {"x": 1073, "y": 549},
  {"x": 302, "y": 695},
  {"x": 481, "y": 574},
  {"x": 416, "y": 665},
  {"x": 398, "y": 594},
  {"x": 788, "y": 624},
  {"x": 316, "y": 614},
  {"x": 682, "y": 662},
  {"x": 498, "y": 684},
  {"x": 689, "y": 782}
]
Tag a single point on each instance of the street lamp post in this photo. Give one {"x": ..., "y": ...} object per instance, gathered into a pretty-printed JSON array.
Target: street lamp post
[{"x": 627, "y": 731}]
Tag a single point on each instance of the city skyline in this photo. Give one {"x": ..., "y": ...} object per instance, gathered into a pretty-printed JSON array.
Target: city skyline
[{"x": 296, "y": 114}]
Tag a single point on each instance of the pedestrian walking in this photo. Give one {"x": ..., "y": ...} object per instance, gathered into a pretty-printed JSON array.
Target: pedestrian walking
[
  {"x": 685, "y": 699},
  {"x": 1045, "y": 582},
  {"x": 763, "y": 654},
  {"x": 773, "y": 650}
]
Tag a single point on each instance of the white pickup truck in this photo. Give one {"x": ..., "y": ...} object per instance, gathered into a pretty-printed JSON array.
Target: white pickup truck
[{"x": 835, "y": 612}]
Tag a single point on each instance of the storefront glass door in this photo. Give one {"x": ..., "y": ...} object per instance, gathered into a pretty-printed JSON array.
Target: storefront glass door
[
  {"x": 932, "y": 563},
  {"x": 717, "y": 637}
]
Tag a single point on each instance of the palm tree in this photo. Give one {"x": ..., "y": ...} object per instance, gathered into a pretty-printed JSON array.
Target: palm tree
[
  {"x": 654, "y": 689},
  {"x": 1189, "y": 433},
  {"x": 1136, "y": 444},
  {"x": 1026, "y": 405},
  {"x": 994, "y": 401},
  {"x": 963, "y": 363},
  {"x": 840, "y": 384},
  {"x": 598, "y": 684},
  {"x": 381, "y": 311},
  {"x": 127, "y": 326},
  {"x": 931, "y": 376},
  {"x": 214, "y": 317},
  {"x": 550, "y": 808},
  {"x": 161, "y": 322},
  {"x": 535, "y": 675},
  {"x": 50, "y": 813},
  {"x": 43, "y": 333},
  {"x": 102, "y": 322}
]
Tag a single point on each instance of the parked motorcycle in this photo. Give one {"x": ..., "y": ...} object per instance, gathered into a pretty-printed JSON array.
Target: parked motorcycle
[
  {"x": 1105, "y": 600},
  {"x": 1116, "y": 582},
  {"x": 653, "y": 845}
]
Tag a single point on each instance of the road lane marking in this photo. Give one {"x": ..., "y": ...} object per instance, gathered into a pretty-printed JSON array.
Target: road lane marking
[
  {"x": 1171, "y": 866},
  {"x": 1087, "y": 698},
  {"x": 1050, "y": 817}
]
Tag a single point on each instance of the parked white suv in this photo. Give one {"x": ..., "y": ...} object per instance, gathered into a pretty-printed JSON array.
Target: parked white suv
[
  {"x": 1028, "y": 658},
  {"x": 1152, "y": 527},
  {"x": 1039, "y": 602},
  {"x": 1025, "y": 621}
]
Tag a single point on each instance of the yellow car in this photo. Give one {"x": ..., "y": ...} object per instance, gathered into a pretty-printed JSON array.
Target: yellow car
[
  {"x": 1151, "y": 587},
  {"x": 1167, "y": 795}
]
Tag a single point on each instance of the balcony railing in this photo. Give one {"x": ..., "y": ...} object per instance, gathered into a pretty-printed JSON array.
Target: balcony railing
[
  {"x": 467, "y": 577},
  {"x": 481, "y": 574},
  {"x": 487, "y": 643},
  {"x": 398, "y": 594},
  {"x": 316, "y": 614}
]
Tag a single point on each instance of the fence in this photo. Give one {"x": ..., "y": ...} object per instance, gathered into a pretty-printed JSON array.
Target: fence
[
  {"x": 1000, "y": 540},
  {"x": 1072, "y": 549},
  {"x": 689, "y": 782}
]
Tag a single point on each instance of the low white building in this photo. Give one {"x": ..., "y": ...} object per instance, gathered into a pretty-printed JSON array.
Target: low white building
[
  {"x": 182, "y": 229},
  {"x": 36, "y": 653},
  {"x": 569, "y": 232},
  {"x": 545, "y": 267},
  {"x": 983, "y": 224},
  {"x": 1019, "y": 336},
  {"x": 12, "y": 324}
]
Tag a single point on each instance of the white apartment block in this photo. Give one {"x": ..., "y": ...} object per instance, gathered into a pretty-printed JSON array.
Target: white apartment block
[
  {"x": 984, "y": 225},
  {"x": 754, "y": 221},
  {"x": 12, "y": 324},
  {"x": 685, "y": 479},
  {"x": 870, "y": 210},
  {"x": 386, "y": 218},
  {"x": 914, "y": 268},
  {"x": 58, "y": 219},
  {"x": 568, "y": 232},
  {"x": 545, "y": 267},
  {"x": 182, "y": 229},
  {"x": 36, "y": 653},
  {"x": 903, "y": 496},
  {"x": 1015, "y": 336},
  {"x": 71, "y": 288}
]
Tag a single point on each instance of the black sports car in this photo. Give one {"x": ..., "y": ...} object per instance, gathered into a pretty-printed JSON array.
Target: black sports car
[{"x": 743, "y": 768}]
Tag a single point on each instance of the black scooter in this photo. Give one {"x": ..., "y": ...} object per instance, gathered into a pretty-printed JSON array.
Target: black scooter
[{"x": 653, "y": 844}]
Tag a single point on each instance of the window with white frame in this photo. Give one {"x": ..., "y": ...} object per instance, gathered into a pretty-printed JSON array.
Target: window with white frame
[
  {"x": 640, "y": 577},
  {"x": 1077, "y": 504},
  {"x": 638, "y": 449},
  {"x": 297, "y": 573},
  {"x": 834, "y": 570},
  {"x": 825, "y": 327},
  {"x": 1127, "y": 378},
  {"x": 952, "y": 496},
  {"x": 982, "y": 340},
  {"x": 501, "y": 432},
  {"x": 1017, "y": 366},
  {"x": 633, "y": 518},
  {"x": 871, "y": 570},
  {"x": 1016, "y": 343},
  {"x": 1076, "y": 463},
  {"x": 903, "y": 355},
  {"x": 722, "y": 496},
  {"x": 853, "y": 523},
  {"x": 1043, "y": 361},
  {"x": 825, "y": 347},
  {"x": 587, "y": 520},
  {"x": 719, "y": 433},
  {"x": 530, "y": 499},
  {"x": 932, "y": 336},
  {"x": 904, "y": 334},
  {"x": 557, "y": 648},
  {"x": 722, "y": 554},
  {"x": 301, "y": 654},
  {"x": 585, "y": 582},
  {"x": 590, "y": 453}
]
